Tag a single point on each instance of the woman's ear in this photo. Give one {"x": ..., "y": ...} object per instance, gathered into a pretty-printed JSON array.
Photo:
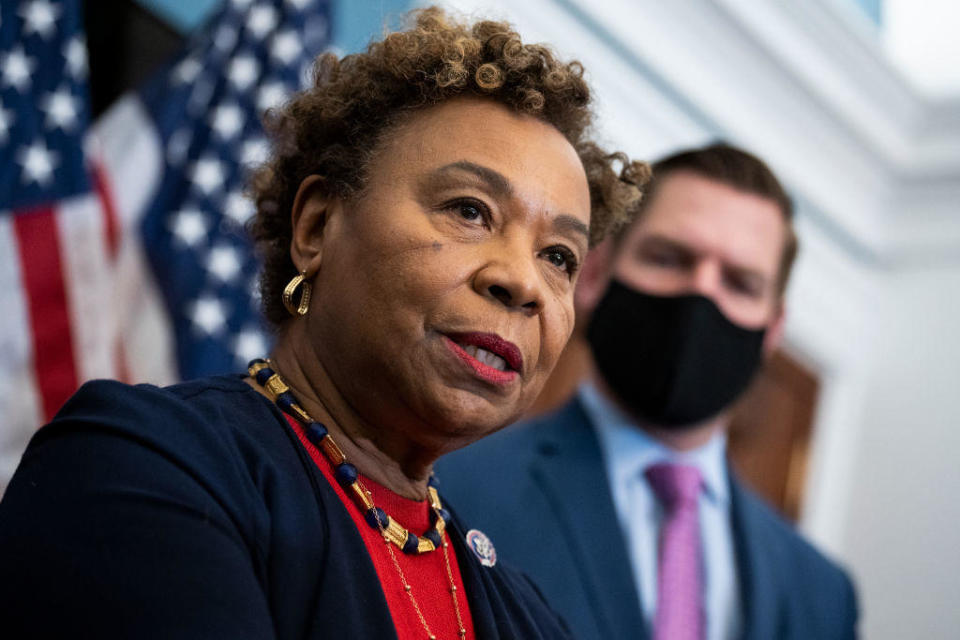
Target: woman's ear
[{"x": 308, "y": 217}]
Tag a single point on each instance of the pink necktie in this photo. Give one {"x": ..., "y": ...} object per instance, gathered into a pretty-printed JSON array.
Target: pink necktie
[{"x": 679, "y": 613}]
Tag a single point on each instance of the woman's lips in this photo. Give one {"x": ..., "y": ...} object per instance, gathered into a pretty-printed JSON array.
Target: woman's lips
[{"x": 491, "y": 357}]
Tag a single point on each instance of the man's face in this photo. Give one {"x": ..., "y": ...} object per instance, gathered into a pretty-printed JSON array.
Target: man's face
[{"x": 703, "y": 237}]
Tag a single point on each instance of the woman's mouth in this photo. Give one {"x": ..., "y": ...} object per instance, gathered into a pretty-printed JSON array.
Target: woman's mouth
[
  {"x": 486, "y": 357},
  {"x": 489, "y": 356}
]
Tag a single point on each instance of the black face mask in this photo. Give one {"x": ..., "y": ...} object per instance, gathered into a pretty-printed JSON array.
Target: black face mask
[{"x": 673, "y": 361}]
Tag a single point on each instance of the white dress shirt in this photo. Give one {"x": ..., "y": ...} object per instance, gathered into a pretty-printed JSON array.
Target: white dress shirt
[{"x": 628, "y": 451}]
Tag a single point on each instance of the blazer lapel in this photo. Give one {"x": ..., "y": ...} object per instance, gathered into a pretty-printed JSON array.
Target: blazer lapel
[
  {"x": 476, "y": 584},
  {"x": 757, "y": 567},
  {"x": 569, "y": 469}
]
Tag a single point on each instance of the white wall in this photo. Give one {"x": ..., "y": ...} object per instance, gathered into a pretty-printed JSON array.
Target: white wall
[
  {"x": 923, "y": 42},
  {"x": 873, "y": 305},
  {"x": 903, "y": 526}
]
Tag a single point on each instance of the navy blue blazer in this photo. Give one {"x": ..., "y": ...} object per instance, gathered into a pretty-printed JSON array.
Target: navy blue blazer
[
  {"x": 194, "y": 512},
  {"x": 540, "y": 492}
]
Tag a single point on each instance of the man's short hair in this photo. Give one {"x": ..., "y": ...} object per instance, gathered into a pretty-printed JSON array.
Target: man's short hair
[{"x": 737, "y": 169}]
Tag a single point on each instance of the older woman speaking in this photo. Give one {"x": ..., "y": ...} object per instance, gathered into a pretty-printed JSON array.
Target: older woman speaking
[{"x": 421, "y": 220}]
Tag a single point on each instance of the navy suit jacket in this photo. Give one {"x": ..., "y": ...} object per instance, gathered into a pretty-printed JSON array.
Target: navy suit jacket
[{"x": 540, "y": 492}]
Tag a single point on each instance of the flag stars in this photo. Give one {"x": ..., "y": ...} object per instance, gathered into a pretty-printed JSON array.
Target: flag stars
[
  {"x": 187, "y": 71},
  {"x": 254, "y": 287},
  {"x": 178, "y": 146},
  {"x": 243, "y": 71},
  {"x": 262, "y": 20},
  {"x": 225, "y": 38},
  {"x": 17, "y": 67},
  {"x": 62, "y": 110},
  {"x": 249, "y": 344},
  {"x": 200, "y": 96},
  {"x": 270, "y": 95},
  {"x": 208, "y": 174},
  {"x": 254, "y": 151},
  {"x": 224, "y": 263},
  {"x": 208, "y": 315},
  {"x": 38, "y": 163},
  {"x": 75, "y": 53},
  {"x": 306, "y": 74},
  {"x": 227, "y": 121},
  {"x": 315, "y": 30},
  {"x": 239, "y": 208},
  {"x": 189, "y": 227},
  {"x": 40, "y": 16},
  {"x": 286, "y": 47}
]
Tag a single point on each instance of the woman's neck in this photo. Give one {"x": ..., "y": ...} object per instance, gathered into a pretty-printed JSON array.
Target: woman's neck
[{"x": 379, "y": 452}]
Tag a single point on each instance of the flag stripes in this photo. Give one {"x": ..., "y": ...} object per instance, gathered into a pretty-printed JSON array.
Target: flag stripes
[{"x": 38, "y": 245}]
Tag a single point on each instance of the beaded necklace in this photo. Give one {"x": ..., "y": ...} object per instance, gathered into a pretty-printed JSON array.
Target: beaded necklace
[{"x": 394, "y": 534}]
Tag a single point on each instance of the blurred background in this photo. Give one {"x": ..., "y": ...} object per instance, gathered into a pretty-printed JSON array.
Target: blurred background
[{"x": 127, "y": 128}]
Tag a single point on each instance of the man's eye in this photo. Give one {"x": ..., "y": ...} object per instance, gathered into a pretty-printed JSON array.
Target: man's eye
[
  {"x": 743, "y": 287},
  {"x": 664, "y": 259}
]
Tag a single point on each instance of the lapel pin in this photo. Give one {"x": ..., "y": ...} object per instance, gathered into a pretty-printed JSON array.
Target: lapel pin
[{"x": 482, "y": 547}]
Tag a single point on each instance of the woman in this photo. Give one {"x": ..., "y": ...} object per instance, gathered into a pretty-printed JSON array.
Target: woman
[{"x": 421, "y": 221}]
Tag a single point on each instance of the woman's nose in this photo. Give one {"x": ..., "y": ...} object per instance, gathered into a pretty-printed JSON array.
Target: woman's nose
[{"x": 512, "y": 278}]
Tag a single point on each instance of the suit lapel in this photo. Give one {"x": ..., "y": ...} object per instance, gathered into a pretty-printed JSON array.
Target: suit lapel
[
  {"x": 757, "y": 566},
  {"x": 569, "y": 469}
]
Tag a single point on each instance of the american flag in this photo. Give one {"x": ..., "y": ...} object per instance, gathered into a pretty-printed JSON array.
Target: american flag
[{"x": 122, "y": 244}]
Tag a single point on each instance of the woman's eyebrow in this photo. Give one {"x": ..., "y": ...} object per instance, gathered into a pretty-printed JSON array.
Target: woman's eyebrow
[
  {"x": 500, "y": 186},
  {"x": 495, "y": 181},
  {"x": 565, "y": 222}
]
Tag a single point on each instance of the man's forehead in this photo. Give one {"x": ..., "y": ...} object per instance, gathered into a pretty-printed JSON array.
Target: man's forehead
[{"x": 705, "y": 216}]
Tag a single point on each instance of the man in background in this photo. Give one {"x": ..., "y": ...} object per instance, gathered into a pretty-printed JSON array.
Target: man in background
[{"x": 621, "y": 506}]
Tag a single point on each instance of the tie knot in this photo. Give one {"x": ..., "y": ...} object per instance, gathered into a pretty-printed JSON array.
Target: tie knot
[{"x": 676, "y": 485}]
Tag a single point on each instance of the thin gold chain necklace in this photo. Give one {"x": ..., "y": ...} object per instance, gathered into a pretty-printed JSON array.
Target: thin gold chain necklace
[
  {"x": 413, "y": 600},
  {"x": 347, "y": 476}
]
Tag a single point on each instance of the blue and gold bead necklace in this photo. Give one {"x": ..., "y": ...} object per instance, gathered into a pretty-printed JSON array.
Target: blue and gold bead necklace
[
  {"x": 348, "y": 478},
  {"x": 346, "y": 473}
]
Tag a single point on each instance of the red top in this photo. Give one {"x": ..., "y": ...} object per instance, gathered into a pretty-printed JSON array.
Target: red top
[{"x": 426, "y": 573}]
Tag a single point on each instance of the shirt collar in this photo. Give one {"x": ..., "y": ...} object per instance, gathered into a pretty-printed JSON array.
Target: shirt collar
[{"x": 629, "y": 450}]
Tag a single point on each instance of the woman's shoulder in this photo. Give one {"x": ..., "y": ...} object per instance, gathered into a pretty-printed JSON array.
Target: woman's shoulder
[
  {"x": 211, "y": 441},
  {"x": 107, "y": 397},
  {"x": 216, "y": 427},
  {"x": 156, "y": 498},
  {"x": 217, "y": 403}
]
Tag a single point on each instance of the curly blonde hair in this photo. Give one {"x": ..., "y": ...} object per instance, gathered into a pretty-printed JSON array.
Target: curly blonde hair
[{"x": 333, "y": 128}]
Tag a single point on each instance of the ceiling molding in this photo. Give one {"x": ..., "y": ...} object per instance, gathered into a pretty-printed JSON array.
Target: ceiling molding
[
  {"x": 873, "y": 165},
  {"x": 809, "y": 88}
]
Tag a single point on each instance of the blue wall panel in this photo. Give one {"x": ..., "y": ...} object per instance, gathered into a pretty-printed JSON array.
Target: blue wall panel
[{"x": 355, "y": 22}]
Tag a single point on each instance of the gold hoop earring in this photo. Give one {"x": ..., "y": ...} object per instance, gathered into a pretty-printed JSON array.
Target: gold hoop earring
[{"x": 291, "y": 288}]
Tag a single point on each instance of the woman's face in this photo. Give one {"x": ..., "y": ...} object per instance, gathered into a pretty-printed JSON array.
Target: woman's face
[{"x": 444, "y": 294}]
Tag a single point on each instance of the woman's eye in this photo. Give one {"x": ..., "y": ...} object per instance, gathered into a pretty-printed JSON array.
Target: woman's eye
[
  {"x": 562, "y": 258},
  {"x": 469, "y": 210}
]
